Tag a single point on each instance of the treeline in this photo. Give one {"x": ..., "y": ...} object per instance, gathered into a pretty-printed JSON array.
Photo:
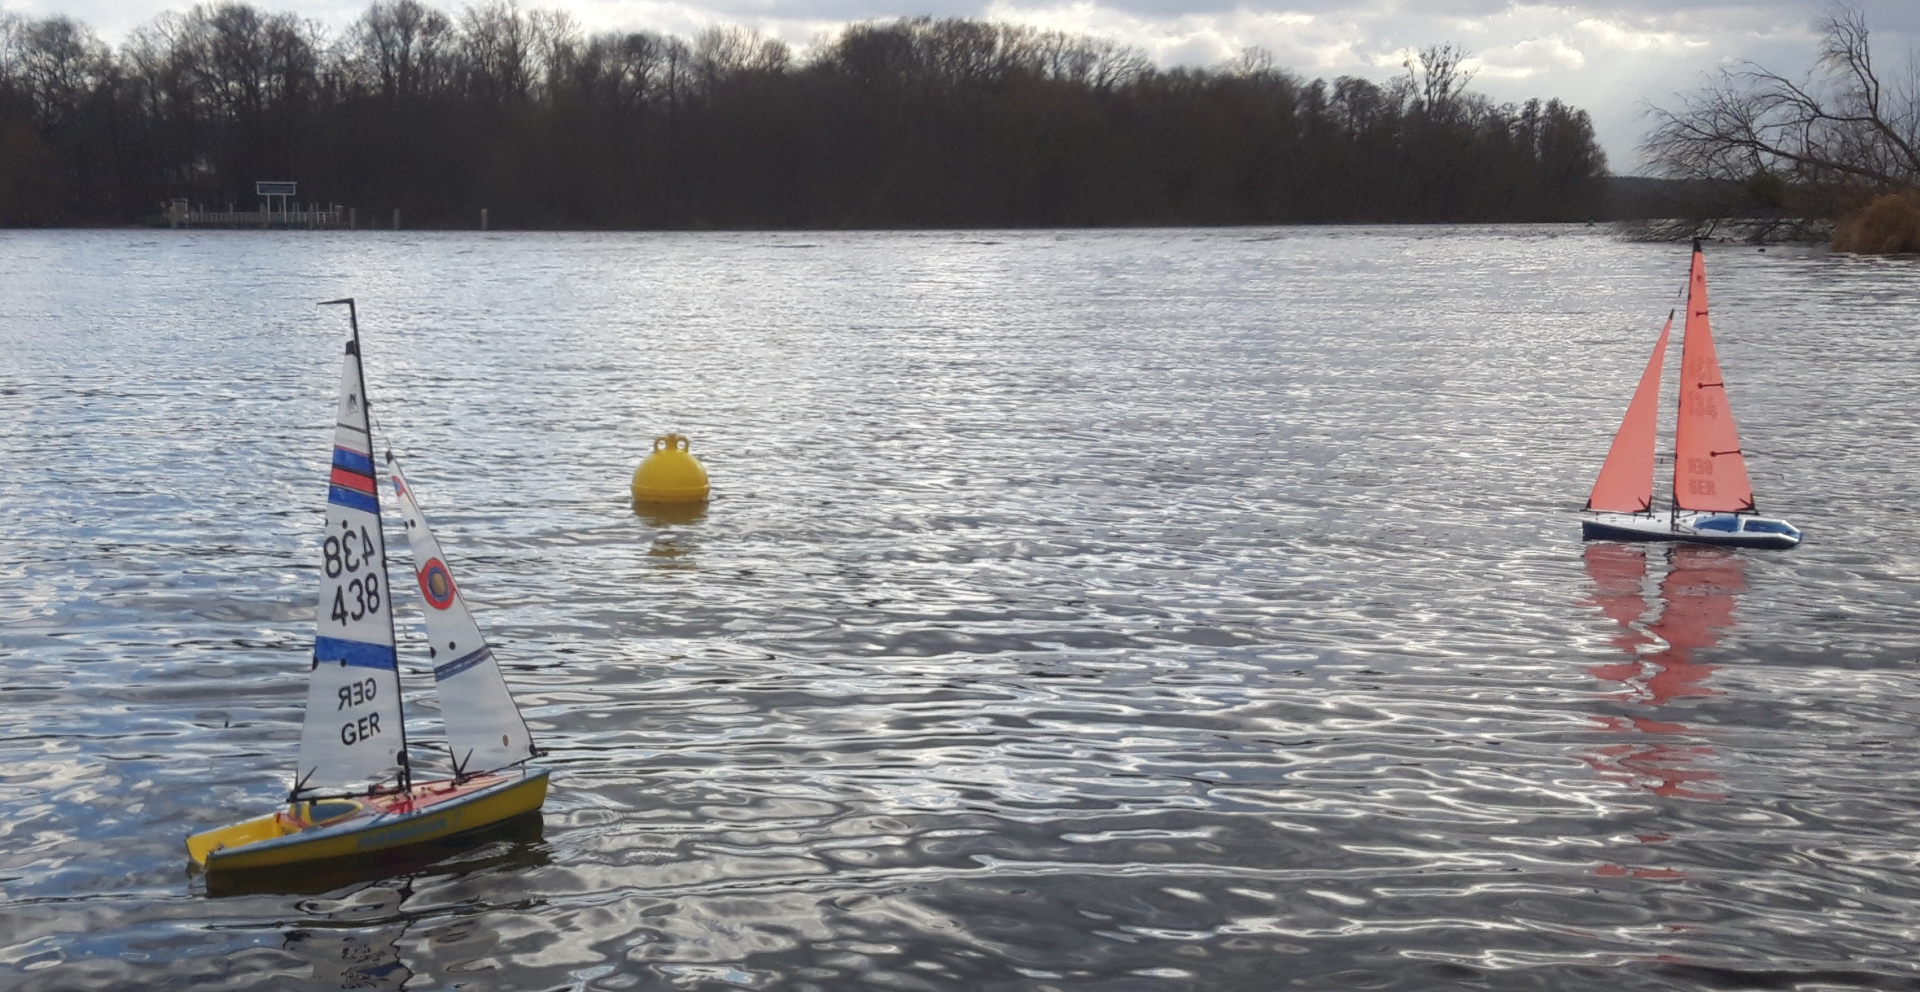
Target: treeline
[{"x": 911, "y": 123}]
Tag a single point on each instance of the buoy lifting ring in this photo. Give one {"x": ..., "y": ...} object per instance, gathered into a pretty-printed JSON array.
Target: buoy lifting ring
[{"x": 670, "y": 474}]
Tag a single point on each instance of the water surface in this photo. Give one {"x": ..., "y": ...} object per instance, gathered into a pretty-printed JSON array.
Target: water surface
[{"x": 1143, "y": 610}]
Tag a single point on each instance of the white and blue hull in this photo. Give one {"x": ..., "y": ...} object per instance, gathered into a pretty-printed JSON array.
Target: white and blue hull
[{"x": 1737, "y": 530}]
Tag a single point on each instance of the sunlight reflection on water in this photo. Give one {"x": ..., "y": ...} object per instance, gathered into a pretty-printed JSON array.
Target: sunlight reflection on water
[{"x": 1100, "y": 610}]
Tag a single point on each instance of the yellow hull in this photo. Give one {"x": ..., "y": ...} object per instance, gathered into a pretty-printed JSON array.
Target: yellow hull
[{"x": 431, "y": 811}]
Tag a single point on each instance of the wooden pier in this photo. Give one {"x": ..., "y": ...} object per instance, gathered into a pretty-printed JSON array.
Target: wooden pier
[{"x": 309, "y": 217}]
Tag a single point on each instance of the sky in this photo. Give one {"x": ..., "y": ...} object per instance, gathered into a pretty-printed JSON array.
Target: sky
[{"x": 1614, "y": 60}]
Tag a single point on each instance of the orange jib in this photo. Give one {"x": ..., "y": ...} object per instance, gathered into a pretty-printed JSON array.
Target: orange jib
[{"x": 1626, "y": 479}]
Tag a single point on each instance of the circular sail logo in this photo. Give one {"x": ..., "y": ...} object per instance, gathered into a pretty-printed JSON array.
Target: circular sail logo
[{"x": 436, "y": 584}]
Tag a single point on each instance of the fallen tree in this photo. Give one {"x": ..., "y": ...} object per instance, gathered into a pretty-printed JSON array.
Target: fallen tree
[{"x": 1840, "y": 142}]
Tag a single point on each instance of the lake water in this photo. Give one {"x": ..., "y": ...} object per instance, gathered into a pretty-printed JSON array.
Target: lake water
[{"x": 1133, "y": 610}]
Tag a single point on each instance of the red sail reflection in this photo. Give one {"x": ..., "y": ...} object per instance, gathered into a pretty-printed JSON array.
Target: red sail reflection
[{"x": 1697, "y": 599}]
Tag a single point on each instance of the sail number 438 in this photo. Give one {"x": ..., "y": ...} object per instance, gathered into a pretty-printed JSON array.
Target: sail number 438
[
  {"x": 357, "y": 599},
  {"x": 347, "y": 554}
]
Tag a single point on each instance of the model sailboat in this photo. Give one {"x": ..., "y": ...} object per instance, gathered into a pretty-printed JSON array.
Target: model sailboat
[
  {"x": 354, "y": 792},
  {"x": 1712, "y": 496}
]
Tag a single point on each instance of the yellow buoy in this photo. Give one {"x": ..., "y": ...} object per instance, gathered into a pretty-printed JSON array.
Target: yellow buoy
[{"x": 669, "y": 474}]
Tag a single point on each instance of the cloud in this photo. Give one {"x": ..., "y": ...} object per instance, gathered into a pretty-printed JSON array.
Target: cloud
[
  {"x": 1532, "y": 57},
  {"x": 1626, "y": 38},
  {"x": 1192, "y": 38}
]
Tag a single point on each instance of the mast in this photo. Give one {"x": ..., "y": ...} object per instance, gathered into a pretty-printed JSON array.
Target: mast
[
  {"x": 1709, "y": 468},
  {"x": 1679, "y": 398},
  {"x": 354, "y": 734}
]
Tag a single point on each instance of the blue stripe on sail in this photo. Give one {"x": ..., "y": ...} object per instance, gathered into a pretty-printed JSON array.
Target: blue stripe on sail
[
  {"x": 357, "y": 500},
  {"x": 461, "y": 664},
  {"x": 359, "y": 654},
  {"x": 352, "y": 461}
]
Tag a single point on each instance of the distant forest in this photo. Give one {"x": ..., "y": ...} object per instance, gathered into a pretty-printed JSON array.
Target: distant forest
[{"x": 913, "y": 123}]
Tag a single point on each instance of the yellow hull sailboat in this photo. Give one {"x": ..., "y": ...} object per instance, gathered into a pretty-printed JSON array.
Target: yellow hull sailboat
[
  {"x": 319, "y": 829},
  {"x": 354, "y": 792}
]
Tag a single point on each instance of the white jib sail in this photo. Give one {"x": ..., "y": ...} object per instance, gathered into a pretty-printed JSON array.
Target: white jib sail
[
  {"x": 484, "y": 728},
  {"x": 353, "y": 734}
]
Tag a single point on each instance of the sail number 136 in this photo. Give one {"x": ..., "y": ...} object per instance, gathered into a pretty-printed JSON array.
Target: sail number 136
[{"x": 346, "y": 554}]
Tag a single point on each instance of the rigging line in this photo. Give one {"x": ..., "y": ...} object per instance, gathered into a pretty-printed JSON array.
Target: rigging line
[
  {"x": 301, "y": 785},
  {"x": 406, "y": 760}
]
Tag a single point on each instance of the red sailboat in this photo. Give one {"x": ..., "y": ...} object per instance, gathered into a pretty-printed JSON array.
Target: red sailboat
[{"x": 1712, "y": 496}]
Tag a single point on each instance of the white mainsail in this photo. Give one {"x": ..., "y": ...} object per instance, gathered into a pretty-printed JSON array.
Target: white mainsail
[
  {"x": 484, "y": 728},
  {"x": 353, "y": 735}
]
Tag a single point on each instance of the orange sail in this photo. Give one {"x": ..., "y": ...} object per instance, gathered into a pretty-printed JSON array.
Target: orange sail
[
  {"x": 1709, "y": 472},
  {"x": 1626, "y": 479}
]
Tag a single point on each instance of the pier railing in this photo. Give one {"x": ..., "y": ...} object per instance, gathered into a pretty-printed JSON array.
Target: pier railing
[{"x": 312, "y": 217}]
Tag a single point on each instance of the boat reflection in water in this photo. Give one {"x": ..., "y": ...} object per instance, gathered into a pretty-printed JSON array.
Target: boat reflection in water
[
  {"x": 1696, "y": 600},
  {"x": 350, "y": 956},
  {"x": 362, "y": 938}
]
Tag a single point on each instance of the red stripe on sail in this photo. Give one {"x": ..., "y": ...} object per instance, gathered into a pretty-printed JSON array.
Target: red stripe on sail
[
  {"x": 353, "y": 480},
  {"x": 1626, "y": 479},
  {"x": 1709, "y": 472}
]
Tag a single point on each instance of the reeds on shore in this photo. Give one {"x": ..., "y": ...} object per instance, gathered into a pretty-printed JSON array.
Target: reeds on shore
[{"x": 1888, "y": 225}]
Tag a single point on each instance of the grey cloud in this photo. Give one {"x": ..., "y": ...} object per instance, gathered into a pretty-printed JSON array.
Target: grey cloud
[{"x": 836, "y": 10}]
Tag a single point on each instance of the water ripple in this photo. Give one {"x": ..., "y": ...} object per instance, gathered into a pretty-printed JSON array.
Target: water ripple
[{"x": 1076, "y": 610}]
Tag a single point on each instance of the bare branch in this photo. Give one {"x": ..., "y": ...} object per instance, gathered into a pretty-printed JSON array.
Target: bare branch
[{"x": 1840, "y": 127}]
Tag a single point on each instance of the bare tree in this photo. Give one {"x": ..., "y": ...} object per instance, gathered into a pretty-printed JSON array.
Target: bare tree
[
  {"x": 11, "y": 26},
  {"x": 1438, "y": 78},
  {"x": 404, "y": 46},
  {"x": 966, "y": 51},
  {"x": 626, "y": 71},
  {"x": 1097, "y": 62},
  {"x": 1252, "y": 61},
  {"x": 154, "y": 78},
  {"x": 235, "y": 62},
  {"x": 497, "y": 47},
  {"x": 722, "y": 52},
  {"x": 1843, "y": 126},
  {"x": 59, "y": 64},
  {"x": 558, "y": 45}
]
